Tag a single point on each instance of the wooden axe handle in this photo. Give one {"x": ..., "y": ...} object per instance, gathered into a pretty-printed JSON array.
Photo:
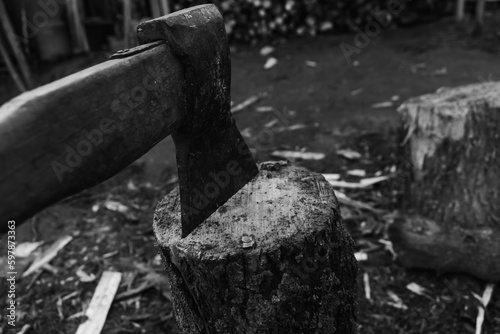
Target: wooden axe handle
[{"x": 78, "y": 131}]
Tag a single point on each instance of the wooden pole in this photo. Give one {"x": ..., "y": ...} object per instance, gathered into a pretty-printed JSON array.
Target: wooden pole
[
  {"x": 18, "y": 53},
  {"x": 155, "y": 8},
  {"x": 275, "y": 258},
  {"x": 460, "y": 10},
  {"x": 78, "y": 34},
  {"x": 450, "y": 215},
  {"x": 127, "y": 17},
  {"x": 480, "y": 7},
  {"x": 10, "y": 66},
  {"x": 165, "y": 8}
]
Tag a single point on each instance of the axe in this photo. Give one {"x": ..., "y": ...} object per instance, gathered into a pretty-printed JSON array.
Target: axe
[{"x": 79, "y": 131}]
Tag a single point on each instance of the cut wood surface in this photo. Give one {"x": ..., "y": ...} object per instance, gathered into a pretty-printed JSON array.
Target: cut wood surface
[
  {"x": 451, "y": 214},
  {"x": 275, "y": 258}
]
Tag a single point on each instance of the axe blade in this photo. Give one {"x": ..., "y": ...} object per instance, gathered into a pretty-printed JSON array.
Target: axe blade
[{"x": 213, "y": 159}]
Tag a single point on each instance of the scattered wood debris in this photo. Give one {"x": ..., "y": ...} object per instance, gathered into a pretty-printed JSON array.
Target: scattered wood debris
[
  {"x": 298, "y": 155},
  {"x": 363, "y": 183},
  {"x": 101, "y": 303},
  {"x": 481, "y": 309},
  {"x": 83, "y": 276},
  {"x": 263, "y": 109},
  {"x": 357, "y": 172},
  {"x": 441, "y": 71},
  {"x": 361, "y": 256},
  {"x": 344, "y": 199},
  {"x": 419, "y": 290},
  {"x": 385, "y": 104},
  {"x": 331, "y": 177},
  {"x": 311, "y": 63},
  {"x": 247, "y": 103},
  {"x": 25, "y": 249},
  {"x": 120, "y": 208},
  {"x": 290, "y": 128},
  {"x": 270, "y": 63},
  {"x": 366, "y": 282},
  {"x": 357, "y": 92},
  {"x": 48, "y": 255},
  {"x": 349, "y": 154},
  {"x": 266, "y": 51},
  {"x": 396, "y": 301}
]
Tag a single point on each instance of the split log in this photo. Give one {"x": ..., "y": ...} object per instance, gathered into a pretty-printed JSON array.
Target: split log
[
  {"x": 275, "y": 258},
  {"x": 450, "y": 217}
]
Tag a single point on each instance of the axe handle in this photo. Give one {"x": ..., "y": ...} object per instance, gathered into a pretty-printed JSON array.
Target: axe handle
[{"x": 79, "y": 131}]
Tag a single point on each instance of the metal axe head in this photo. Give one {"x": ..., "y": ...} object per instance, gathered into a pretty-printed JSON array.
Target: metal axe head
[{"x": 213, "y": 159}]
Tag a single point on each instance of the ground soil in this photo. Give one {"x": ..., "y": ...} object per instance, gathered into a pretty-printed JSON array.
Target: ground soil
[{"x": 333, "y": 99}]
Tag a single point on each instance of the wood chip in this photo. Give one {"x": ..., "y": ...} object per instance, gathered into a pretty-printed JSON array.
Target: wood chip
[
  {"x": 266, "y": 51},
  {"x": 101, "y": 303},
  {"x": 331, "y": 177},
  {"x": 380, "y": 105},
  {"x": 363, "y": 183},
  {"x": 349, "y": 154},
  {"x": 311, "y": 63},
  {"x": 25, "y": 249},
  {"x": 245, "y": 104},
  {"x": 120, "y": 208},
  {"x": 291, "y": 128},
  {"x": 48, "y": 255},
  {"x": 298, "y": 155},
  {"x": 396, "y": 301},
  {"x": 361, "y": 256},
  {"x": 357, "y": 172},
  {"x": 270, "y": 63},
  {"x": 366, "y": 282},
  {"x": 485, "y": 300}
]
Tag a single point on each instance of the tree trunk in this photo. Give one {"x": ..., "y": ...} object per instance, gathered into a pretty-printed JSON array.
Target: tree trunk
[
  {"x": 275, "y": 258},
  {"x": 450, "y": 217}
]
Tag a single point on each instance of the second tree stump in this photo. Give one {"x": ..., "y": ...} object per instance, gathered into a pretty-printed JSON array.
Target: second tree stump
[
  {"x": 274, "y": 259},
  {"x": 450, "y": 220}
]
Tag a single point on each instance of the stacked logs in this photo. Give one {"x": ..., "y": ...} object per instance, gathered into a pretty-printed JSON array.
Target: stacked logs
[{"x": 252, "y": 20}]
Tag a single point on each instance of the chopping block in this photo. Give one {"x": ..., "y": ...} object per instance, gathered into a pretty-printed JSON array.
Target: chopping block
[{"x": 275, "y": 258}]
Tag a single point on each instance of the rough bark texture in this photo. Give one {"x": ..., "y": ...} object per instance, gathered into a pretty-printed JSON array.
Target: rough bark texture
[
  {"x": 450, "y": 219},
  {"x": 274, "y": 259}
]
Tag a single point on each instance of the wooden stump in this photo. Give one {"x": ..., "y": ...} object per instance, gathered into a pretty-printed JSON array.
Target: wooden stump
[
  {"x": 450, "y": 219},
  {"x": 274, "y": 259}
]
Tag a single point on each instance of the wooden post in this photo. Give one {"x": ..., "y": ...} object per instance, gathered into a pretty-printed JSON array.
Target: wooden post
[
  {"x": 480, "y": 7},
  {"x": 460, "y": 10},
  {"x": 165, "y": 8},
  {"x": 11, "y": 67},
  {"x": 155, "y": 8},
  {"x": 127, "y": 17},
  {"x": 78, "y": 34},
  {"x": 275, "y": 258},
  {"x": 16, "y": 49},
  {"x": 450, "y": 218}
]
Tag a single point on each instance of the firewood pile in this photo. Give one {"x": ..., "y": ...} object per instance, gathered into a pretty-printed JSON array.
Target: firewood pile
[{"x": 252, "y": 20}]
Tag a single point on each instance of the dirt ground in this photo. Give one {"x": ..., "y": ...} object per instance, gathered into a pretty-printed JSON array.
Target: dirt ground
[{"x": 331, "y": 103}]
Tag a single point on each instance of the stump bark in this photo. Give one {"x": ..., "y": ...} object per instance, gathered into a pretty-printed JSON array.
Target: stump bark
[
  {"x": 450, "y": 217},
  {"x": 275, "y": 258}
]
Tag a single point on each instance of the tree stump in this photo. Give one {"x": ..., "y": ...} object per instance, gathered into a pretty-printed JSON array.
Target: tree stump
[
  {"x": 450, "y": 217},
  {"x": 275, "y": 258}
]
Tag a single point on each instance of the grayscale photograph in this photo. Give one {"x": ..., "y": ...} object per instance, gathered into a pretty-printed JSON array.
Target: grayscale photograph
[{"x": 250, "y": 166}]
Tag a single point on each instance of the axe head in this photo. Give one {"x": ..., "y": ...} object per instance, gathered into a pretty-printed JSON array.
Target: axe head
[{"x": 213, "y": 159}]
